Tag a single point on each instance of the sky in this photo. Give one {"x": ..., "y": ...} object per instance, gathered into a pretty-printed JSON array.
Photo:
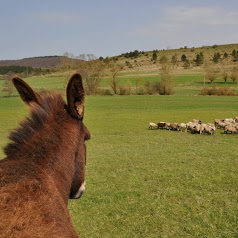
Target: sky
[{"x": 32, "y": 28}]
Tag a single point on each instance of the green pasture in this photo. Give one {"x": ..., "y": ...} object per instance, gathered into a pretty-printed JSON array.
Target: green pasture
[
  {"x": 143, "y": 183},
  {"x": 184, "y": 84},
  {"x": 150, "y": 183}
]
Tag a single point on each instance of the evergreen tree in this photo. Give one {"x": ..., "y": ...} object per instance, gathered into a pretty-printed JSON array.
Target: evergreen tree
[
  {"x": 154, "y": 56},
  {"x": 183, "y": 58},
  {"x": 216, "y": 57},
  {"x": 225, "y": 55},
  {"x": 199, "y": 59}
]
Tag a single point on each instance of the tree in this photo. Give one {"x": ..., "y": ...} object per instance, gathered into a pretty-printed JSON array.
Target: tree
[
  {"x": 187, "y": 64},
  {"x": 114, "y": 68},
  {"x": 174, "y": 60},
  {"x": 166, "y": 83},
  {"x": 67, "y": 62},
  {"x": 199, "y": 59},
  {"x": 234, "y": 55},
  {"x": 216, "y": 57},
  {"x": 8, "y": 86},
  {"x": 234, "y": 74},
  {"x": 211, "y": 72},
  {"x": 154, "y": 56},
  {"x": 225, "y": 56},
  {"x": 183, "y": 58},
  {"x": 163, "y": 60},
  {"x": 224, "y": 70}
]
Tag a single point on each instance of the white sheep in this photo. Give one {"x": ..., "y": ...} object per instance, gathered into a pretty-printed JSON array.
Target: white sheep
[
  {"x": 209, "y": 128},
  {"x": 152, "y": 126},
  {"x": 182, "y": 127},
  {"x": 230, "y": 129}
]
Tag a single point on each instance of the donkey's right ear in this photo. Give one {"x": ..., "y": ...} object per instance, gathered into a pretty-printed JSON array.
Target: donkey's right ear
[{"x": 26, "y": 93}]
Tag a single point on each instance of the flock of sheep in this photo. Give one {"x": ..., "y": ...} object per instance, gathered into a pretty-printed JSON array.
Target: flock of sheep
[{"x": 229, "y": 125}]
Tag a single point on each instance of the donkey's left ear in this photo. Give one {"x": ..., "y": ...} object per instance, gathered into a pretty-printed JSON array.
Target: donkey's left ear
[
  {"x": 75, "y": 96},
  {"x": 27, "y": 94}
]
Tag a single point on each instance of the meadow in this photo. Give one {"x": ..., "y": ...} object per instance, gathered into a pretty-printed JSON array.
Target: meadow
[{"x": 151, "y": 183}]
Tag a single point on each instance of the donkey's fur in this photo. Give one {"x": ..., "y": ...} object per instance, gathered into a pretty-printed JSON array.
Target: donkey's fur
[{"x": 44, "y": 164}]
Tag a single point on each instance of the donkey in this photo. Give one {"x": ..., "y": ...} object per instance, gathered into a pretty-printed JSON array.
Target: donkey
[{"x": 44, "y": 165}]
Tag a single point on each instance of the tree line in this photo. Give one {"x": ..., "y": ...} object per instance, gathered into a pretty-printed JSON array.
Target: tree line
[{"x": 22, "y": 70}]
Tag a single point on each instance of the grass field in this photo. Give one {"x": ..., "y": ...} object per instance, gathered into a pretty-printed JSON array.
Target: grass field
[{"x": 151, "y": 183}]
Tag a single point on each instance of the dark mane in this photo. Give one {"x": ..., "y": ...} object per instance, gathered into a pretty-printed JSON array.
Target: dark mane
[{"x": 51, "y": 106}]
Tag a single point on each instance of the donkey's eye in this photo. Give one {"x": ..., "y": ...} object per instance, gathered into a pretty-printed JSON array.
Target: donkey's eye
[{"x": 86, "y": 137}]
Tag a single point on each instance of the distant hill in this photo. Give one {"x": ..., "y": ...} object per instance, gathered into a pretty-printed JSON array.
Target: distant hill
[{"x": 35, "y": 62}]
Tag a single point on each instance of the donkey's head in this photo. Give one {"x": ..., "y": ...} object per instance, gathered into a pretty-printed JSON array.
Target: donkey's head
[{"x": 55, "y": 134}]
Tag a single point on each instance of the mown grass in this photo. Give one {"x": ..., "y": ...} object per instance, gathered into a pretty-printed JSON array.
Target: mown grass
[{"x": 144, "y": 183}]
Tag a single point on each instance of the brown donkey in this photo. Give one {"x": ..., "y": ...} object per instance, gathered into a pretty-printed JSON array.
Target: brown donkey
[{"x": 44, "y": 164}]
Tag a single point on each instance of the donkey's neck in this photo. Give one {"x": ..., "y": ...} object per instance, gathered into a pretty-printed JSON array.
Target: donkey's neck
[{"x": 47, "y": 141}]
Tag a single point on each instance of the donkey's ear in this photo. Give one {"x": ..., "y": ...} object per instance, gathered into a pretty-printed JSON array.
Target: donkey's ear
[
  {"x": 26, "y": 92},
  {"x": 75, "y": 96}
]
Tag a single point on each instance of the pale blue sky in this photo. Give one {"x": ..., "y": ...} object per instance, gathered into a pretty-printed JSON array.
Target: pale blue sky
[{"x": 32, "y": 28}]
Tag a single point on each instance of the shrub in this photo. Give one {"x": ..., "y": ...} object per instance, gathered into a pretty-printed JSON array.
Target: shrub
[
  {"x": 140, "y": 91},
  {"x": 151, "y": 87},
  {"x": 104, "y": 92},
  {"x": 221, "y": 91},
  {"x": 124, "y": 90},
  {"x": 165, "y": 88}
]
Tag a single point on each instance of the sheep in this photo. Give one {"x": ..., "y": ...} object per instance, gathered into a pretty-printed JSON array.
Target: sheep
[
  {"x": 198, "y": 128},
  {"x": 209, "y": 128},
  {"x": 182, "y": 127},
  {"x": 161, "y": 125},
  {"x": 197, "y": 121},
  {"x": 216, "y": 122},
  {"x": 229, "y": 120},
  {"x": 191, "y": 126},
  {"x": 152, "y": 125},
  {"x": 229, "y": 125},
  {"x": 167, "y": 125},
  {"x": 230, "y": 129},
  {"x": 221, "y": 124},
  {"x": 173, "y": 126}
]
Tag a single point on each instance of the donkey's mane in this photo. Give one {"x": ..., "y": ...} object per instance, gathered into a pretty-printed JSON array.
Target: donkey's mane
[{"x": 51, "y": 105}]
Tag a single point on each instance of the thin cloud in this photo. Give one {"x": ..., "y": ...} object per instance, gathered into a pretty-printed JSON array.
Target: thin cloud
[
  {"x": 202, "y": 15},
  {"x": 178, "y": 18}
]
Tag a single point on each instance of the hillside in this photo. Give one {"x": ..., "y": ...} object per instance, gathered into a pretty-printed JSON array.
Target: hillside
[
  {"x": 132, "y": 60},
  {"x": 143, "y": 60}
]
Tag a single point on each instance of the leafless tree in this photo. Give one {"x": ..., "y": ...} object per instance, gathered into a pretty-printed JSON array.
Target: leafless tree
[
  {"x": 166, "y": 83},
  {"x": 234, "y": 74},
  {"x": 8, "y": 87},
  {"x": 114, "y": 68},
  {"x": 211, "y": 71}
]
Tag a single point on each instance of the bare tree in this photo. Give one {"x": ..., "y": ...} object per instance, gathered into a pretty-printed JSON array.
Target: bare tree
[
  {"x": 211, "y": 72},
  {"x": 114, "y": 68},
  {"x": 234, "y": 74},
  {"x": 8, "y": 86},
  {"x": 67, "y": 62},
  {"x": 92, "y": 72},
  {"x": 166, "y": 83},
  {"x": 224, "y": 70}
]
